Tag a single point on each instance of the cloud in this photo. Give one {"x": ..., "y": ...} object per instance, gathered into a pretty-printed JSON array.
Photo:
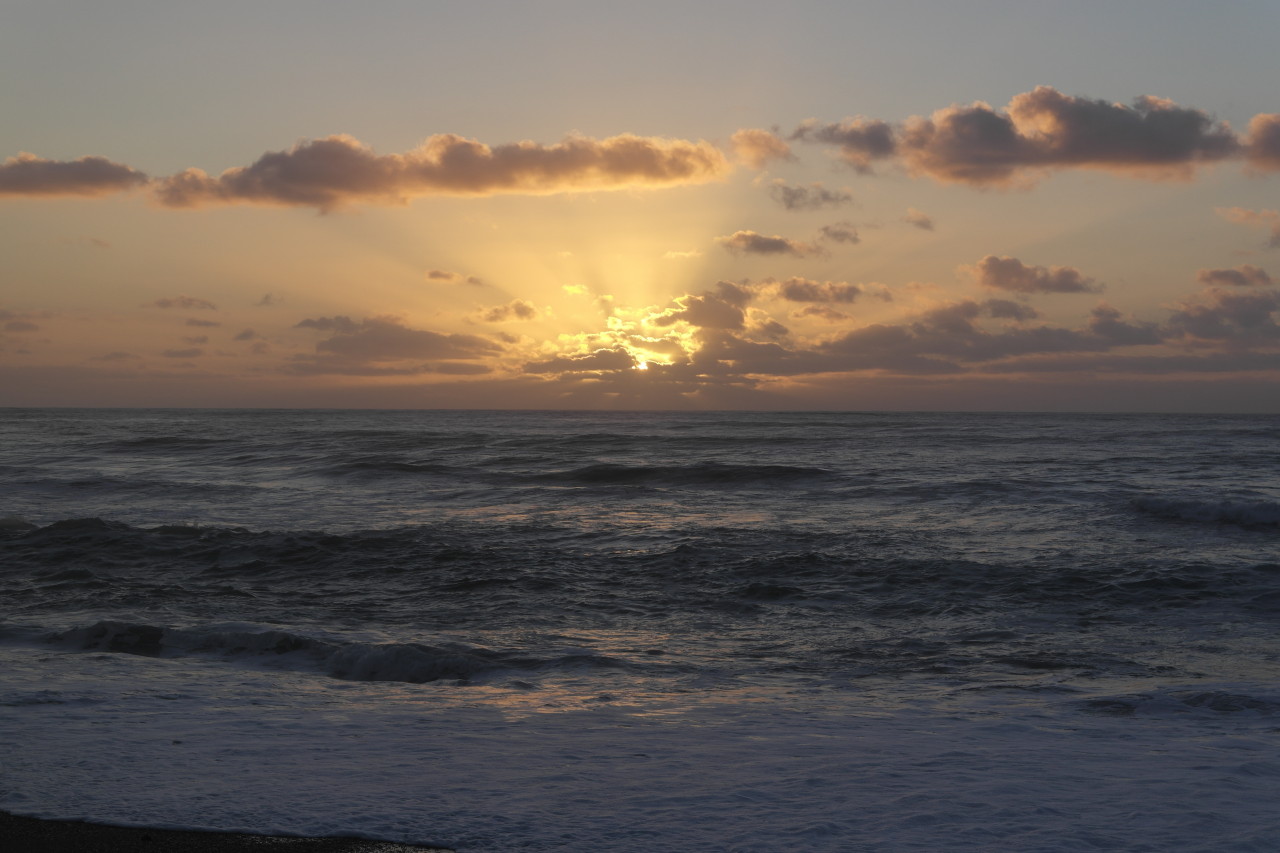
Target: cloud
[
  {"x": 1241, "y": 317},
  {"x": 1006, "y": 309},
  {"x": 517, "y": 309},
  {"x": 1011, "y": 274},
  {"x": 1045, "y": 129},
  {"x": 751, "y": 243},
  {"x": 246, "y": 335},
  {"x": 824, "y": 312},
  {"x": 21, "y": 326},
  {"x": 1262, "y": 142},
  {"x": 678, "y": 256},
  {"x": 840, "y": 232},
  {"x": 453, "y": 277},
  {"x": 943, "y": 338},
  {"x": 385, "y": 346},
  {"x": 327, "y": 173},
  {"x": 812, "y": 197},
  {"x": 341, "y": 324},
  {"x": 920, "y": 220},
  {"x": 194, "y": 352},
  {"x": 266, "y": 301},
  {"x": 756, "y": 148},
  {"x": 1243, "y": 216},
  {"x": 29, "y": 175},
  {"x": 599, "y": 360},
  {"x": 202, "y": 324},
  {"x": 189, "y": 303},
  {"x": 115, "y": 356},
  {"x": 861, "y": 141},
  {"x": 1241, "y": 276},
  {"x": 721, "y": 308},
  {"x": 387, "y": 339},
  {"x": 807, "y": 290},
  {"x": 196, "y": 339}
]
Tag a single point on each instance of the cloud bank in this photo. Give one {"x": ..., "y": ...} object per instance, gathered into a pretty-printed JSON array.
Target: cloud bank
[{"x": 336, "y": 170}]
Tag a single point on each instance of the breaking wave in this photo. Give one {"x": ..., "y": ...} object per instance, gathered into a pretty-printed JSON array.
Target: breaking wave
[
  {"x": 1245, "y": 513},
  {"x": 412, "y": 663}
]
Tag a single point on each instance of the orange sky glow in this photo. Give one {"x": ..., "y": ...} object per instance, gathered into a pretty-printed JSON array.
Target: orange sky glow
[{"x": 331, "y": 234}]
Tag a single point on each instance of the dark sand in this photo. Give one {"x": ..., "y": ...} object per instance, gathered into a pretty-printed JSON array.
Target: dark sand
[{"x": 29, "y": 835}]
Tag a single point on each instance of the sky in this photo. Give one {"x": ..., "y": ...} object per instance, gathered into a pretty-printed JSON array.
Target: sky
[{"x": 592, "y": 205}]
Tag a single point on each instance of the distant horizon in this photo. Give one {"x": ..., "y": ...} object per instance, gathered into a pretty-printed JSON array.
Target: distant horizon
[{"x": 1044, "y": 412}]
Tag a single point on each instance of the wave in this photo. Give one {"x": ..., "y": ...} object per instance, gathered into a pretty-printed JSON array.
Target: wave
[
  {"x": 1176, "y": 701},
  {"x": 1245, "y": 513},
  {"x": 411, "y": 663},
  {"x": 699, "y": 474}
]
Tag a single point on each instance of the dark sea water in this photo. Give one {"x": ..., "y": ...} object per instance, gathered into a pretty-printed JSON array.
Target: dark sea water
[{"x": 647, "y": 631}]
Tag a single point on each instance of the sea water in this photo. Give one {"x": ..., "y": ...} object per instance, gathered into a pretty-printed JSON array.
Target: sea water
[{"x": 646, "y": 631}]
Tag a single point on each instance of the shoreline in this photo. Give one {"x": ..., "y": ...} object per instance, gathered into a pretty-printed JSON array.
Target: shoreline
[{"x": 77, "y": 836}]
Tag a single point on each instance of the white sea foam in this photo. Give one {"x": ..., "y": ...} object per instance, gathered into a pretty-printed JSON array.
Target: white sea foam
[{"x": 178, "y": 744}]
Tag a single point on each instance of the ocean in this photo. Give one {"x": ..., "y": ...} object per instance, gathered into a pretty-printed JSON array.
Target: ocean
[{"x": 536, "y": 631}]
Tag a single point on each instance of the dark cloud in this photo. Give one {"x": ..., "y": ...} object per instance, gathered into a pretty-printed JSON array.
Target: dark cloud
[
  {"x": 1108, "y": 324},
  {"x": 196, "y": 339},
  {"x": 1262, "y": 142},
  {"x": 756, "y": 148},
  {"x": 1005, "y": 309},
  {"x": 384, "y": 346},
  {"x": 1011, "y": 274},
  {"x": 751, "y": 243},
  {"x": 266, "y": 301},
  {"x": 920, "y": 220},
  {"x": 812, "y": 197},
  {"x": 202, "y": 324},
  {"x": 1241, "y": 317},
  {"x": 1241, "y": 276},
  {"x": 29, "y": 175},
  {"x": 187, "y": 303},
  {"x": 247, "y": 335},
  {"x": 194, "y": 352},
  {"x": 945, "y": 338},
  {"x": 861, "y": 141},
  {"x": 1045, "y": 129},
  {"x": 600, "y": 360},
  {"x": 21, "y": 326},
  {"x": 517, "y": 309},
  {"x": 115, "y": 356},
  {"x": 453, "y": 277},
  {"x": 341, "y": 324},
  {"x": 385, "y": 339},
  {"x": 327, "y": 173},
  {"x": 807, "y": 290},
  {"x": 840, "y": 232}
]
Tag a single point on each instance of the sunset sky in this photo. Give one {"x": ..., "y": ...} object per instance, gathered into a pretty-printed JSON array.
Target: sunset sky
[{"x": 865, "y": 205}]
